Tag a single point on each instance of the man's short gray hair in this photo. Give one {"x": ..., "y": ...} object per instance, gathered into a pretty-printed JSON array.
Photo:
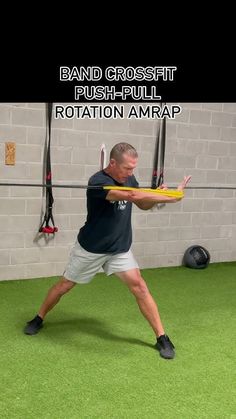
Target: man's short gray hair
[{"x": 122, "y": 148}]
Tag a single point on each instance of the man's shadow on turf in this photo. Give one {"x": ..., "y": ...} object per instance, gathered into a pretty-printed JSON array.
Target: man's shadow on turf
[{"x": 89, "y": 326}]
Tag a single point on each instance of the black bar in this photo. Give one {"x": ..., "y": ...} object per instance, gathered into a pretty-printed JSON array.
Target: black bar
[
  {"x": 210, "y": 187},
  {"x": 43, "y": 185}
]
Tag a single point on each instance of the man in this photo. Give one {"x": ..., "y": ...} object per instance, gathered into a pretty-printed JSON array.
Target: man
[{"x": 105, "y": 239}]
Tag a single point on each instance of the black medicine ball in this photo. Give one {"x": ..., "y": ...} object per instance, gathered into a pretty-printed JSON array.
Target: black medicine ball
[{"x": 196, "y": 257}]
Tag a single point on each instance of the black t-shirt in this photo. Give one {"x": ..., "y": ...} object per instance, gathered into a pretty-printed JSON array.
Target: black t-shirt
[{"x": 108, "y": 225}]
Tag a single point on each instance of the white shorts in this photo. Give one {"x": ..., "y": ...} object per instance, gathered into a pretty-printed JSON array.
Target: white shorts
[{"x": 83, "y": 265}]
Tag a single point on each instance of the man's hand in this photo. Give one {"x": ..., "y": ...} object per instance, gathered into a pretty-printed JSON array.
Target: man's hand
[{"x": 184, "y": 183}]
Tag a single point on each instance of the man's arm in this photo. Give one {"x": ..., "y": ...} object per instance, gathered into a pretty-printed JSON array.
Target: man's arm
[
  {"x": 145, "y": 200},
  {"x": 149, "y": 200}
]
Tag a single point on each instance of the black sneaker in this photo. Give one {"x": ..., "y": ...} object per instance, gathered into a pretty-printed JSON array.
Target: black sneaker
[
  {"x": 33, "y": 326},
  {"x": 165, "y": 347}
]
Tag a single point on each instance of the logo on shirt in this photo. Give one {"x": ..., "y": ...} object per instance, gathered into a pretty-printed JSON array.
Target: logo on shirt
[{"x": 121, "y": 205}]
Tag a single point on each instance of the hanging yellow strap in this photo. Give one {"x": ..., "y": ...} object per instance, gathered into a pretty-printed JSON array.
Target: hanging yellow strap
[{"x": 166, "y": 192}]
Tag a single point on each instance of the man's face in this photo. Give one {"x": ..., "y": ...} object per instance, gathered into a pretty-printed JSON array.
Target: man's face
[{"x": 122, "y": 170}]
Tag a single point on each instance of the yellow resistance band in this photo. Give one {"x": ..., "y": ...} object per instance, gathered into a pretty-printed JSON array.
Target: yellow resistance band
[{"x": 167, "y": 192}]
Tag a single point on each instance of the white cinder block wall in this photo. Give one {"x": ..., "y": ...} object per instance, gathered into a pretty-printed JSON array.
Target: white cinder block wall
[{"x": 201, "y": 142}]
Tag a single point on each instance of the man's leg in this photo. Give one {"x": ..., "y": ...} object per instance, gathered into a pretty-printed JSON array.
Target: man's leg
[
  {"x": 146, "y": 303},
  {"x": 54, "y": 295},
  {"x": 52, "y": 298},
  {"x": 148, "y": 308}
]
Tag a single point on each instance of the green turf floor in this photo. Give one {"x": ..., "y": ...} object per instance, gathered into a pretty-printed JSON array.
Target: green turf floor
[{"x": 95, "y": 357}]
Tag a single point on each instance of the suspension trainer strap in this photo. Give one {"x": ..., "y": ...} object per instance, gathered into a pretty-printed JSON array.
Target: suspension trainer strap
[
  {"x": 48, "y": 216},
  {"x": 162, "y": 152},
  {"x": 159, "y": 154},
  {"x": 155, "y": 162}
]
